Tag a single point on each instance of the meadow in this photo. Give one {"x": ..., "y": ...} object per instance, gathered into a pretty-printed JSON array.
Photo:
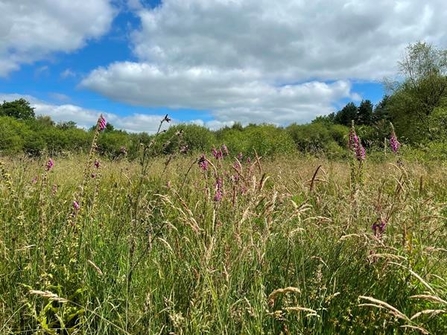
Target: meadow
[{"x": 223, "y": 243}]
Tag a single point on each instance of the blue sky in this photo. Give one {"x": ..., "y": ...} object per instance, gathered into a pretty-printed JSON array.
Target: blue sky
[{"x": 208, "y": 62}]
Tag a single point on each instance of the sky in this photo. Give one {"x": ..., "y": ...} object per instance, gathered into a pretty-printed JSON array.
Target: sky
[{"x": 206, "y": 62}]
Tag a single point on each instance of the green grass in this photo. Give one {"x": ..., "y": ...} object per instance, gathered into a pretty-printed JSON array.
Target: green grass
[{"x": 288, "y": 249}]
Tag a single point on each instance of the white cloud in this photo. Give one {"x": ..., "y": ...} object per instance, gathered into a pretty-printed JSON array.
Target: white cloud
[
  {"x": 240, "y": 95},
  {"x": 240, "y": 59},
  {"x": 59, "y": 96},
  {"x": 32, "y": 29},
  {"x": 67, "y": 73}
]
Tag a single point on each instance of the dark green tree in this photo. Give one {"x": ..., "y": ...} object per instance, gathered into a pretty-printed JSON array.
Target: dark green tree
[
  {"x": 19, "y": 109},
  {"x": 365, "y": 113},
  {"x": 381, "y": 111},
  {"x": 346, "y": 115},
  {"x": 325, "y": 119}
]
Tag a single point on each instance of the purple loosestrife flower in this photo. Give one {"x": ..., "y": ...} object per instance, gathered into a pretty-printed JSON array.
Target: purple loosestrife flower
[
  {"x": 49, "y": 165},
  {"x": 97, "y": 164},
  {"x": 102, "y": 123},
  {"x": 76, "y": 205},
  {"x": 203, "y": 163}
]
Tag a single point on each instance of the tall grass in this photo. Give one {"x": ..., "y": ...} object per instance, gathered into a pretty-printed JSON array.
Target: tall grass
[{"x": 233, "y": 245}]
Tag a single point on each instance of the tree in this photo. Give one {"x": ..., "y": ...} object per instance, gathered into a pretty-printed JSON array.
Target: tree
[
  {"x": 365, "y": 113},
  {"x": 346, "y": 115},
  {"x": 422, "y": 90},
  {"x": 19, "y": 109},
  {"x": 325, "y": 119},
  {"x": 66, "y": 125},
  {"x": 381, "y": 110},
  {"x": 425, "y": 69}
]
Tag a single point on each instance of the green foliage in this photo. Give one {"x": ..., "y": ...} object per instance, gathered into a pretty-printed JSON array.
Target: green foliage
[
  {"x": 406, "y": 113},
  {"x": 183, "y": 138},
  {"x": 381, "y": 111},
  {"x": 423, "y": 89},
  {"x": 319, "y": 138},
  {"x": 268, "y": 140},
  {"x": 346, "y": 115},
  {"x": 365, "y": 113},
  {"x": 265, "y": 140},
  {"x": 19, "y": 109},
  {"x": 11, "y": 135},
  {"x": 438, "y": 124},
  {"x": 34, "y": 144},
  {"x": 113, "y": 143}
]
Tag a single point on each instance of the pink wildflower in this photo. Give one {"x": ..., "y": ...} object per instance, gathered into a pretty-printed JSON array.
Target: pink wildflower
[
  {"x": 218, "y": 188},
  {"x": 203, "y": 163},
  {"x": 394, "y": 143},
  {"x": 76, "y": 205},
  {"x": 217, "y": 153},
  {"x": 102, "y": 123},
  {"x": 49, "y": 165},
  {"x": 356, "y": 145}
]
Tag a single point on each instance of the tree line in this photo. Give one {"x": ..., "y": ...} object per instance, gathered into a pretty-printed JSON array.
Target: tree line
[{"x": 416, "y": 104}]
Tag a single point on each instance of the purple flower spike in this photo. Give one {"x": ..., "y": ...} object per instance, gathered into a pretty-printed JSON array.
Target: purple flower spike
[
  {"x": 394, "y": 143},
  {"x": 102, "y": 123},
  {"x": 217, "y": 153},
  {"x": 49, "y": 165},
  {"x": 203, "y": 163},
  {"x": 360, "y": 153},
  {"x": 218, "y": 187},
  {"x": 356, "y": 145},
  {"x": 76, "y": 205}
]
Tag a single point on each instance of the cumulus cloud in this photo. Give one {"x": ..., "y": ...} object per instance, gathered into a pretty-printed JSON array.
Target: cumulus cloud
[
  {"x": 262, "y": 60},
  {"x": 32, "y": 29},
  {"x": 228, "y": 93}
]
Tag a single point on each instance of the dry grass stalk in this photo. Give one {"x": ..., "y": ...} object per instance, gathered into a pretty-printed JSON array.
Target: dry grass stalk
[
  {"x": 382, "y": 304},
  {"x": 49, "y": 295}
]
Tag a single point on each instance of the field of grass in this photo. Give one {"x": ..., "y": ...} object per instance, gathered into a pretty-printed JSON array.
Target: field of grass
[{"x": 222, "y": 246}]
